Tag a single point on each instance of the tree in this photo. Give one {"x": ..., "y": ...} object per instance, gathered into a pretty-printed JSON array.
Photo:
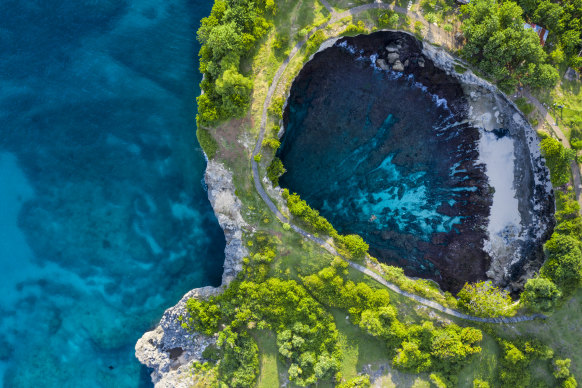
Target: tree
[
  {"x": 484, "y": 300},
  {"x": 562, "y": 368},
  {"x": 355, "y": 245},
  {"x": 410, "y": 357},
  {"x": 540, "y": 294},
  {"x": 558, "y": 160},
  {"x": 498, "y": 44},
  {"x": 477, "y": 383},
  {"x": 541, "y": 76},
  {"x": 224, "y": 39},
  {"x": 548, "y": 14},
  {"x": 235, "y": 90},
  {"x": 275, "y": 170},
  {"x": 564, "y": 262}
]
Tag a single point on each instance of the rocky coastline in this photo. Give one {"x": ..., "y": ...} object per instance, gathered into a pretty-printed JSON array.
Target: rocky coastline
[{"x": 168, "y": 349}]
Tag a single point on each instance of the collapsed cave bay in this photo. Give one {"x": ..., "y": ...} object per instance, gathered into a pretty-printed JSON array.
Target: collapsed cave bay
[{"x": 386, "y": 144}]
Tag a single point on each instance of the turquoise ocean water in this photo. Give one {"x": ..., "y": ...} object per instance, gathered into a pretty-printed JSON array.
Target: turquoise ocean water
[{"x": 104, "y": 221}]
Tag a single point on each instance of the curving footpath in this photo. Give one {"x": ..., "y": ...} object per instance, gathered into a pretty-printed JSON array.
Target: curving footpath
[
  {"x": 576, "y": 174},
  {"x": 265, "y": 197}
]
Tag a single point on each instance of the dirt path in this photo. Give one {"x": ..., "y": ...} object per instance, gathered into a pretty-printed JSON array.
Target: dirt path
[
  {"x": 265, "y": 197},
  {"x": 576, "y": 173}
]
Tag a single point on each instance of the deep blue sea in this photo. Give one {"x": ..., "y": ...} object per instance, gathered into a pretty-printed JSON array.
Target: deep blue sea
[{"x": 104, "y": 221}]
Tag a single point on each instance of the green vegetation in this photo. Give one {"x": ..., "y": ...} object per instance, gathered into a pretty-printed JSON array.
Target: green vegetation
[
  {"x": 482, "y": 299},
  {"x": 540, "y": 294},
  {"x": 423, "y": 287},
  {"x": 558, "y": 159},
  {"x": 228, "y": 34},
  {"x": 419, "y": 347},
  {"x": 564, "y": 263},
  {"x": 516, "y": 359},
  {"x": 275, "y": 170},
  {"x": 356, "y": 382},
  {"x": 498, "y": 45},
  {"x": 207, "y": 142},
  {"x": 284, "y": 316},
  {"x": 438, "y": 11},
  {"x": 306, "y": 334},
  {"x": 269, "y": 368},
  {"x": 525, "y": 107},
  {"x": 561, "y": 18},
  {"x": 309, "y": 216}
]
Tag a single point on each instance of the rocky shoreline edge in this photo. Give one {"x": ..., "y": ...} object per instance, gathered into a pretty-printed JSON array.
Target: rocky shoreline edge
[{"x": 169, "y": 350}]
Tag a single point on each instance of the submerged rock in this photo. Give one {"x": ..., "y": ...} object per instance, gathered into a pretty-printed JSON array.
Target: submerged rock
[{"x": 447, "y": 166}]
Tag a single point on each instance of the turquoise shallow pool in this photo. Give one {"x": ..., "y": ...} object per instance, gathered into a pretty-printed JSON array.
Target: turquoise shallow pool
[{"x": 104, "y": 221}]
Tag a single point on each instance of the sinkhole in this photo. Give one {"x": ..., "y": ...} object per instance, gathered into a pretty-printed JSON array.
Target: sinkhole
[{"x": 386, "y": 144}]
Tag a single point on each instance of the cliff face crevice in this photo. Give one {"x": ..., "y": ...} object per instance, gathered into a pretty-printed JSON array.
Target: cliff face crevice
[{"x": 169, "y": 349}]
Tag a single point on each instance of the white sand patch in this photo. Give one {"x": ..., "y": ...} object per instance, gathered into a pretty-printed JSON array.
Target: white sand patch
[{"x": 504, "y": 221}]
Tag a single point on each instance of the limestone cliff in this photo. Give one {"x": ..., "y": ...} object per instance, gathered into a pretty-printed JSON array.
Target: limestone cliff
[{"x": 168, "y": 349}]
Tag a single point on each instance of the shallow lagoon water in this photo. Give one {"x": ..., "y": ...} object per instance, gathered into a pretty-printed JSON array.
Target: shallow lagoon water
[{"x": 104, "y": 221}]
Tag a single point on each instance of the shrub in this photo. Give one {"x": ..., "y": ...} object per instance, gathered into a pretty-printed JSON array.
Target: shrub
[
  {"x": 564, "y": 262},
  {"x": 558, "y": 160},
  {"x": 271, "y": 143},
  {"x": 212, "y": 353},
  {"x": 354, "y": 29},
  {"x": 315, "y": 41},
  {"x": 311, "y": 217},
  {"x": 355, "y": 244},
  {"x": 388, "y": 18},
  {"x": 239, "y": 366},
  {"x": 275, "y": 170},
  {"x": 482, "y": 299},
  {"x": 276, "y": 108},
  {"x": 207, "y": 142},
  {"x": 362, "y": 381},
  {"x": 540, "y": 294},
  {"x": 418, "y": 28},
  {"x": 257, "y": 158},
  {"x": 562, "y": 368}
]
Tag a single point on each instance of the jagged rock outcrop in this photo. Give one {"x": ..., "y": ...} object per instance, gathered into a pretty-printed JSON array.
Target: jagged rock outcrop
[{"x": 169, "y": 349}]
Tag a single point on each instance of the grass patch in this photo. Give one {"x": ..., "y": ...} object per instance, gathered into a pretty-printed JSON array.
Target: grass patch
[
  {"x": 269, "y": 360},
  {"x": 483, "y": 366},
  {"x": 366, "y": 354},
  {"x": 460, "y": 69},
  {"x": 525, "y": 107},
  {"x": 561, "y": 331},
  {"x": 359, "y": 348}
]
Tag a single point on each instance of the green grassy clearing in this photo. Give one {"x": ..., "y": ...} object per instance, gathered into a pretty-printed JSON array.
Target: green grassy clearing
[
  {"x": 483, "y": 365},
  {"x": 269, "y": 360},
  {"x": 561, "y": 331},
  {"x": 363, "y": 352}
]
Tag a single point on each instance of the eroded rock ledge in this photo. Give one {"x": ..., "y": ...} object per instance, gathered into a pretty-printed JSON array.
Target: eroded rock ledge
[{"x": 168, "y": 349}]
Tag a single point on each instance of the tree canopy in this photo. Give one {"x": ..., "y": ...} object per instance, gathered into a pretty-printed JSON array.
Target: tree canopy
[{"x": 499, "y": 45}]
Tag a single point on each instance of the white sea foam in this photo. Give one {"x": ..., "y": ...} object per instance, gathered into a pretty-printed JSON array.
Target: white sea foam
[{"x": 504, "y": 220}]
